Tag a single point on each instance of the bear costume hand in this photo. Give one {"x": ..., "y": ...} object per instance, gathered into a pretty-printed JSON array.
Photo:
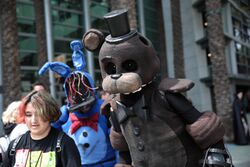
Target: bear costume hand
[
  {"x": 207, "y": 130},
  {"x": 117, "y": 140}
]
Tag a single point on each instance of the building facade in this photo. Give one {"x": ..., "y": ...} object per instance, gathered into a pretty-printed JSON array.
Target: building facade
[
  {"x": 216, "y": 53},
  {"x": 207, "y": 41}
]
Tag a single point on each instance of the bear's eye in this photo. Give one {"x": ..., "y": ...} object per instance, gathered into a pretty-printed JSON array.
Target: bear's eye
[
  {"x": 110, "y": 68},
  {"x": 129, "y": 65}
]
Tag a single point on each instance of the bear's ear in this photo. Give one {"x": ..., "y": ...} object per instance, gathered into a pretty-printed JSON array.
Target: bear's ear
[{"x": 93, "y": 40}]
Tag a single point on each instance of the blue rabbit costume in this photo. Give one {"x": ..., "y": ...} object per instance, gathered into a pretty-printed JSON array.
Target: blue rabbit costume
[{"x": 81, "y": 118}]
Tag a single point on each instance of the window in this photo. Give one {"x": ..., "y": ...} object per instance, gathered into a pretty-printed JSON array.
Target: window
[
  {"x": 27, "y": 43},
  {"x": 243, "y": 58},
  {"x": 151, "y": 23},
  {"x": 241, "y": 26},
  {"x": 28, "y": 76},
  {"x": 241, "y": 32},
  {"x": 98, "y": 8},
  {"x": 68, "y": 4},
  {"x": 67, "y": 24}
]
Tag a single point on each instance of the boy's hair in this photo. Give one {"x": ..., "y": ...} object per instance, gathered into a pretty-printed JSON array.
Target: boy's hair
[
  {"x": 10, "y": 115},
  {"x": 45, "y": 105}
]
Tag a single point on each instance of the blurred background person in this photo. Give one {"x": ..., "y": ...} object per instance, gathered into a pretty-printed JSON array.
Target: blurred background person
[
  {"x": 247, "y": 101},
  {"x": 104, "y": 95},
  {"x": 38, "y": 86},
  {"x": 241, "y": 129},
  {"x": 12, "y": 130}
]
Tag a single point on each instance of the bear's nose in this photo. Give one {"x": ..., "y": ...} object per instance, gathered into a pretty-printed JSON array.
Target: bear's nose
[{"x": 116, "y": 76}]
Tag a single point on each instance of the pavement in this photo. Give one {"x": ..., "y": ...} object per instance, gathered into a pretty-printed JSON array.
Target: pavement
[{"x": 240, "y": 153}]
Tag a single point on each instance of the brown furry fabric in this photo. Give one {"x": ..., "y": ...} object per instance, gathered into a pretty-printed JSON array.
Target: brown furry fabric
[
  {"x": 93, "y": 40},
  {"x": 122, "y": 165},
  {"x": 207, "y": 130},
  {"x": 176, "y": 85},
  {"x": 118, "y": 142}
]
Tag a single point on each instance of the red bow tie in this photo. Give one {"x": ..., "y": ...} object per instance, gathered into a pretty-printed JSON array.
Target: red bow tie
[{"x": 78, "y": 122}]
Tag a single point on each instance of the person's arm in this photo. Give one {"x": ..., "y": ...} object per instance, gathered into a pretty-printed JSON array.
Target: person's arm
[
  {"x": 70, "y": 156},
  {"x": 183, "y": 107},
  {"x": 7, "y": 159},
  {"x": 4, "y": 143},
  {"x": 206, "y": 128}
]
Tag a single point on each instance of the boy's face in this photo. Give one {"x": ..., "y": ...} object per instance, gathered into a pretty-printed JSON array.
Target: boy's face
[{"x": 38, "y": 127}]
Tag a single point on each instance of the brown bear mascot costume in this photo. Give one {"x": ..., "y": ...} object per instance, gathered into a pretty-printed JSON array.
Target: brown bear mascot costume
[{"x": 154, "y": 125}]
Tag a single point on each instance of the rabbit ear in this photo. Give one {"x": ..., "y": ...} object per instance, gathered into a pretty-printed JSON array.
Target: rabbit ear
[
  {"x": 57, "y": 67},
  {"x": 93, "y": 40},
  {"x": 78, "y": 56}
]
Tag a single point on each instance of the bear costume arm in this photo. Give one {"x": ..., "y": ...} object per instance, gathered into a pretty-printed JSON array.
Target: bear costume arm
[
  {"x": 119, "y": 143},
  {"x": 117, "y": 140},
  {"x": 206, "y": 128}
]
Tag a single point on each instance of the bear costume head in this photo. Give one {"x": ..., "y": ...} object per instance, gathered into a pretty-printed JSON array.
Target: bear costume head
[{"x": 128, "y": 61}]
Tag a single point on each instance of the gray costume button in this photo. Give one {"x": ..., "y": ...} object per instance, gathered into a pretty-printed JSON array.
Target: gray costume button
[
  {"x": 136, "y": 131},
  {"x": 140, "y": 146}
]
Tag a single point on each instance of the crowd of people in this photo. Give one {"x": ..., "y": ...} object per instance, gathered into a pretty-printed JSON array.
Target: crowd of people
[
  {"x": 28, "y": 132},
  {"x": 29, "y": 119}
]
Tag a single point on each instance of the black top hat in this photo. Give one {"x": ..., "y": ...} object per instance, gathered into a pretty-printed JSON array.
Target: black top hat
[{"x": 118, "y": 26}]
